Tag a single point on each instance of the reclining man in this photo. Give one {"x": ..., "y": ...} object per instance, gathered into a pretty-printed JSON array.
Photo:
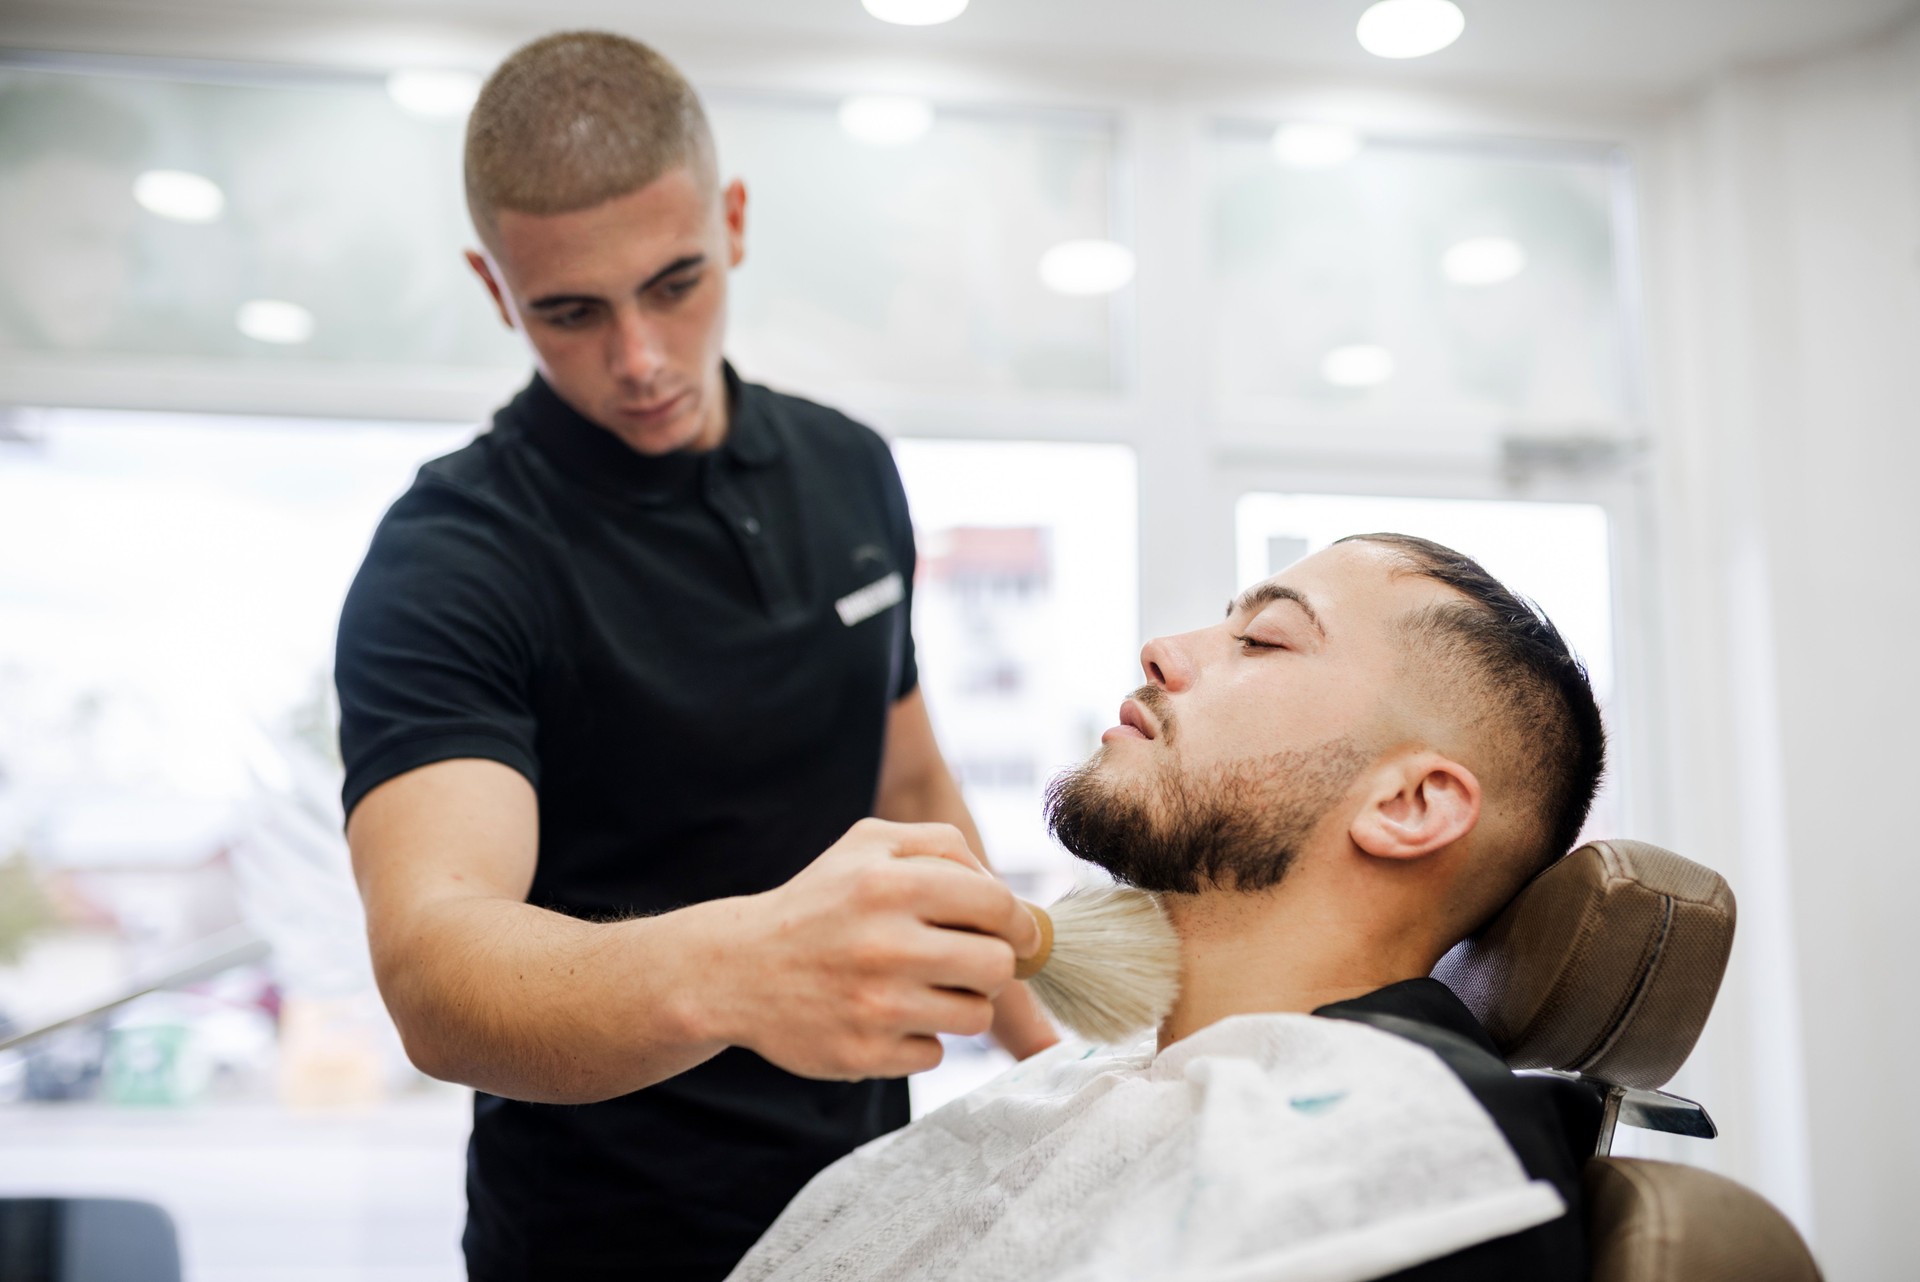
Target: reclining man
[{"x": 1329, "y": 789}]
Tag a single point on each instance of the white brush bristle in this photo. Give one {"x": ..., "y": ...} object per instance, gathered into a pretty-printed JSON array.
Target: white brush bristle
[{"x": 1115, "y": 965}]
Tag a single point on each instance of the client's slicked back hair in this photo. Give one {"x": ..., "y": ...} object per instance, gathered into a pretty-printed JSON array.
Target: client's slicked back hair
[
  {"x": 1509, "y": 655},
  {"x": 575, "y": 119}
]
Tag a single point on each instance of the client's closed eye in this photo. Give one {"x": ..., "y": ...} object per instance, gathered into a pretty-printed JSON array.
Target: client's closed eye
[{"x": 1255, "y": 643}]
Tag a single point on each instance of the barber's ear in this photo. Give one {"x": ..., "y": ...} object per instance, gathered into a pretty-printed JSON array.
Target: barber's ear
[
  {"x": 733, "y": 208},
  {"x": 484, "y": 270},
  {"x": 1416, "y": 805}
]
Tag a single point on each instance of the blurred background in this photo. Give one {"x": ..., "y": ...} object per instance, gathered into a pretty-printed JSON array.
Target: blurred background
[{"x": 1621, "y": 297}]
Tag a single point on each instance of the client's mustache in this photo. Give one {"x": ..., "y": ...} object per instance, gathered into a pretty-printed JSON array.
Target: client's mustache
[{"x": 1154, "y": 700}]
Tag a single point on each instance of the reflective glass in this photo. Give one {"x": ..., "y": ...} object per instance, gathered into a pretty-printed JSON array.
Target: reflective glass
[
  {"x": 918, "y": 263},
  {"x": 1426, "y": 286},
  {"x": 321, "y": 222}
]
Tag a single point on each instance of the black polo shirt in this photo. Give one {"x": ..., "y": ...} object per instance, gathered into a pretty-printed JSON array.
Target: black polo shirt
[{"x": 692, "y": 658}]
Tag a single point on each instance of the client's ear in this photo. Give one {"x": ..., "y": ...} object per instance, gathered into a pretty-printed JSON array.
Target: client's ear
[{"x": 1416, "y": 805}]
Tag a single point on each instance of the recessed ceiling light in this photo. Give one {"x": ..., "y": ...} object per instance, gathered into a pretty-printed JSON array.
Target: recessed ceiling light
[
  {"x": 1483, "y": 260},
  {"x": 1086, "y": 267},
  {"x": 273, "y": 320},
  {"x": 179, "y": 195},
  {"x": 915, "y": 13},
  {"x": 885, "y": 120},
  {"x": 1410, "y": 28},
  {"x": 434, "y": 91},
  {"x": 1311, "y": 146},
  {"x": 1358, "y": 365}
]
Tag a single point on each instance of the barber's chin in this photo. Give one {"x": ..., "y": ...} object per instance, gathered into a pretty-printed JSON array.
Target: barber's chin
[{"x": 661, "y": 428}]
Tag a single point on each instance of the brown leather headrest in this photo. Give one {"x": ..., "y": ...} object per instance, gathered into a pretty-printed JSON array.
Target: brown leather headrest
[
  {"x": 1605, "y": 964},
  {"x": 1664, "y": 1222}
]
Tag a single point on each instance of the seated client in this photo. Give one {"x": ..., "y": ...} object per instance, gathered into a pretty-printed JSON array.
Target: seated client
[{"x": 1329, "y": 789}]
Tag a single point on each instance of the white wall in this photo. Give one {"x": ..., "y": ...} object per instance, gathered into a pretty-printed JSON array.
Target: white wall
[{"x": 1783, "y": 211}]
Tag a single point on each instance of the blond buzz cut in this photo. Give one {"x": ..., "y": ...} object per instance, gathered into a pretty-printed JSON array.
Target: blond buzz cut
[{"x": 575, "y": 119}]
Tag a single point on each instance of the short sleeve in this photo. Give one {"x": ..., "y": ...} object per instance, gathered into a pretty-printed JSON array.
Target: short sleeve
[
  {"x": 440, "y": 638},
  {"x": 906, "y": 556}
]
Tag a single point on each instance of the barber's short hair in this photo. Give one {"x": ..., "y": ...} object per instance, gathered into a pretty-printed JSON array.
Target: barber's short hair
[
  {"x": 578, "y": 118},
  {"x": 1544, "y": 723}
]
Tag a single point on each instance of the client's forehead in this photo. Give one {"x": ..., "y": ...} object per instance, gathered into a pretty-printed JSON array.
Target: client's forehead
[{"x": 1359, "y": 589}]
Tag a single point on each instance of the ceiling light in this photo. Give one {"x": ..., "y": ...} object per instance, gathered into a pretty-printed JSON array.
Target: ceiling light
[
  {"x": 885, "y": 120},
  {"x": 1483, "y": 260},
  {"x": 179, "y": 195},
  {"x": 1086, "y": 267},
  {"x": 270, "y": 320},
  {"x": 1360, "y": 365},
  {"x": 915, "y": 13},
  {"x": 434, "y": 92},
  {"x": 1308, "y": 146},
  {"x": 1410, "y": 28}
]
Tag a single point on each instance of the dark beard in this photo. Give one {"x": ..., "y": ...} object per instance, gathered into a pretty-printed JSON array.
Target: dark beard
[{"x": 1237, "y": 829}]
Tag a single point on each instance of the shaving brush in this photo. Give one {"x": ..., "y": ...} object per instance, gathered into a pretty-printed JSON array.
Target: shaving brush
[{"x": 1108, "y": 963}]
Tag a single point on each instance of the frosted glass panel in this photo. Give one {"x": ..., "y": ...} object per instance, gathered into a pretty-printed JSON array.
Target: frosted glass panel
[
  {"x": 336, "y": 201},
  {"x": 1422, "y": 286},
  {"x": 343, "y": 215},
  {"x": 918, "y": 263}
]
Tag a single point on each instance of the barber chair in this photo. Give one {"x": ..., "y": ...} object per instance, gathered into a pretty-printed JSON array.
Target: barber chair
[{"x": 1604, "y": 969}]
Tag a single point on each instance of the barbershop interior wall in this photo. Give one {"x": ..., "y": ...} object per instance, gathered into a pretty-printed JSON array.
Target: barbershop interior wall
[{"x": 1783, "y": 217}]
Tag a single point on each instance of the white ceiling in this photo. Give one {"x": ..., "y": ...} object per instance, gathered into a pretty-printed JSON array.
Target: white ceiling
[{"x": 1627, "y": 47}]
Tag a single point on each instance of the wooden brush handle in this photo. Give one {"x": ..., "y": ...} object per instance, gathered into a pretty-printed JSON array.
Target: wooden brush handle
[{"x": 1028, "y": 967}]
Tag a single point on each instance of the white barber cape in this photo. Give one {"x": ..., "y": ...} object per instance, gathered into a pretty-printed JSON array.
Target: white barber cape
[{"x": 1261, "y": 1147}]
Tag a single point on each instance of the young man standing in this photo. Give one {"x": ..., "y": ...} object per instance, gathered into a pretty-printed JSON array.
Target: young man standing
[{"x": 612, "y": 678}]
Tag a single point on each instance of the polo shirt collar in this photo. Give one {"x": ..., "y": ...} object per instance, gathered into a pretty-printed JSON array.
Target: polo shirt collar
[
  {"x": 597, "y": 457},
  {"x": 752, "y": 437}
]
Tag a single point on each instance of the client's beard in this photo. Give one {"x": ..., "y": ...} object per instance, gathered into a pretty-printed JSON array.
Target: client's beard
[{"x": 1238, "y": 828}]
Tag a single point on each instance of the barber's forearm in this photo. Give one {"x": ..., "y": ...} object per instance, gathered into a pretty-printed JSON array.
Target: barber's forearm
[
  {"x": 1019, "y": 1025},
  {"x": 534, "y": 1005}
]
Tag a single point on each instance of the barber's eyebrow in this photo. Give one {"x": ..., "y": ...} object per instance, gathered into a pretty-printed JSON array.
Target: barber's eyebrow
[
  {"x": 1262, "y": 594},
  {"x": 673, "y": 268}
]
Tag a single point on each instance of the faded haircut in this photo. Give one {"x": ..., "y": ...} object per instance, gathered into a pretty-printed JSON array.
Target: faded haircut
[
  {"x": 1543, "y": 720},
  {"x": 578, "y": 118}
]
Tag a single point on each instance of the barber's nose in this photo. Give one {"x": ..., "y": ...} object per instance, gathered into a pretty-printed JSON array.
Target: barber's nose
[
  {"x": 1167, "y": 663},
  {"x": 634, "y": 351}
]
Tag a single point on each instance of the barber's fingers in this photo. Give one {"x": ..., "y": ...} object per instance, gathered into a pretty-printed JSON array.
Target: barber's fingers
[
  {"x": 941, "y": 1010},
  {"x": 914, "y": 1054},
  {"x": 962, "y": 960},
  {"x": 960, "y": 901},
  {"x": 940, "y": 841}
]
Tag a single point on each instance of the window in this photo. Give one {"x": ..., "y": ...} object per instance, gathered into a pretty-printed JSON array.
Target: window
[
  {"x": 166, "y": 771},
  {"x": 918, "y": 264},
  {"x": 337, "y": 222},
  {"x": 1025, "y": 610},
  {"x": 1419, "y": 285}
]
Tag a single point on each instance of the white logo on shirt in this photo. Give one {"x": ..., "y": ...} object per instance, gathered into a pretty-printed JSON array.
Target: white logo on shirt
[{"x": 863, "y": 603}]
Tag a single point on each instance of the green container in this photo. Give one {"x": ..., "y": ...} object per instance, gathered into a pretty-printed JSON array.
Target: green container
[{"x": 151, "y": 1064}]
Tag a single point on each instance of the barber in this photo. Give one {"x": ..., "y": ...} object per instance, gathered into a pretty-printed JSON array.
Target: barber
[{"x": 632, "y": 733}]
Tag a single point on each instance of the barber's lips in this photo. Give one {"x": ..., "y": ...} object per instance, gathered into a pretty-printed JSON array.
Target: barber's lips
[
  {"x": 658, "y": 412},
  {"x": 1134, "y": 724}
]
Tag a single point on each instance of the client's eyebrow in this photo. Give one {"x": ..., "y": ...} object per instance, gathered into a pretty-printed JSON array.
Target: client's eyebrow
[
  {"x": 1262, "y": 594},
  {"x": 679, "y": 264}
]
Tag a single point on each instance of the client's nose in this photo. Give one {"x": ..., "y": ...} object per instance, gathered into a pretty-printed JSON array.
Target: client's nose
[{"x": 1166, "y": 663}]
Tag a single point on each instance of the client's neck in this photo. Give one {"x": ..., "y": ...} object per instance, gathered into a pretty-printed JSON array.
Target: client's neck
[{"x": 1279, "y": 950}]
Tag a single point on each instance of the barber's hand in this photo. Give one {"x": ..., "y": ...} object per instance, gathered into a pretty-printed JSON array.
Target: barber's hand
[{"x": 851, "y": 969}]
